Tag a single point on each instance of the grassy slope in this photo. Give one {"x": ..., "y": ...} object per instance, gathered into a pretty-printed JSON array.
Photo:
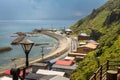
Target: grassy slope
[{"x": 109, "y": 41}]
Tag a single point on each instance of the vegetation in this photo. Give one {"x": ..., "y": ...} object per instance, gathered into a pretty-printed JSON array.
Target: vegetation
[{"x": 104, "y": 26}]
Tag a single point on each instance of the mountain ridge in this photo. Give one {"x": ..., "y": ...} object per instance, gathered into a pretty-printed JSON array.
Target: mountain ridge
[{"x": 103, "y": 24}]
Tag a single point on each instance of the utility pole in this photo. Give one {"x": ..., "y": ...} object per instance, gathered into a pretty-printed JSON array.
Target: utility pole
[
  {"x": 42, "y": 47},
  {"x": 71, "y": 45}
]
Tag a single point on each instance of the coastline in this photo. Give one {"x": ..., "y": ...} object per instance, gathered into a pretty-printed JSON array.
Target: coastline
[{"x": 63, "y": 46}]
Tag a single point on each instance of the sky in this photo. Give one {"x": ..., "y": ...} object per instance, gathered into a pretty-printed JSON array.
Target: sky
[{"x": 47, "y": 9}]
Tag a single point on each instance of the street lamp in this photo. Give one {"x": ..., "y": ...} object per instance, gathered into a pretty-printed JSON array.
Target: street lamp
[{"x": 27, "y": 46}]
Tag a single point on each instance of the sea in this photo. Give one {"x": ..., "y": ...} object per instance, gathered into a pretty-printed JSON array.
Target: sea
[{"x": 8, "y": 28}]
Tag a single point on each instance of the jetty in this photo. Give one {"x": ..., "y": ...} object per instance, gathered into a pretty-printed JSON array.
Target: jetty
[
  {"x": 4, "y": 49},
  {"x": 20, "y": 37}
]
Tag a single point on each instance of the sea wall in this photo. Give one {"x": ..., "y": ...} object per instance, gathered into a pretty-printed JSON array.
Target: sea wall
[{"x": 62, "y": 48}]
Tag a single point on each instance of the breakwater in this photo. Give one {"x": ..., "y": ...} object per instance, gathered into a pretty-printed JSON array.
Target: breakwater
[
  {"x": 20, "y": 37},
  {"x": 4, "y": 49}
]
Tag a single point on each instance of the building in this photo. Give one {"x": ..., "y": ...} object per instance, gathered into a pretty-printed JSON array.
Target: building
[
  {"x": 64, "y": 62},
  {"x": 50, "y": 72},
  {"x": 83, "y": 36},
  {"x": 68, "y": 31},
  {"x": 37, "y": 66},
  {"x": 66, "y": 66}
]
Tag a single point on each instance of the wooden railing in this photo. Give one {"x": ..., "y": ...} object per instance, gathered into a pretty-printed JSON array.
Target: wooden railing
[{"x": 100, "y": 74}]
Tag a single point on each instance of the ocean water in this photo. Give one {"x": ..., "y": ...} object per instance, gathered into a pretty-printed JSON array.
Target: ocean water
[{"x": 9, "y": 27}]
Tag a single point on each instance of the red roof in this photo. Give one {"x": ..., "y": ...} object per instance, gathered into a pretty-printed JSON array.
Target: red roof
[
  {"x": 64, "y": 62},
  {"x": 8, "y": 73}
]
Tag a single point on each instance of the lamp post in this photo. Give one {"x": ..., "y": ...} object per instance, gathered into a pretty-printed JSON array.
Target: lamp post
[{"x": 27, "y": 46}]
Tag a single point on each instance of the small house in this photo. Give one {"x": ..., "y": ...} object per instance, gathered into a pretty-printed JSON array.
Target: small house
[
  {"x": 76, "y": 54},
  {"x": 50, "y": 72},
  {"x": 64, "y": 62},
  {"x": 92, "y": 46},
  {"x": 83, "y": 36},
  {"x": 63, "y": 68},
  {"x": 68, "y": 31},
  {"x": 69, "y": 58},
  {"x": 66, "y": 69},
  {"x": 83, "y": 49},
  {"x": 37, "y": 66},
  {"x": 44, "y": 77}
]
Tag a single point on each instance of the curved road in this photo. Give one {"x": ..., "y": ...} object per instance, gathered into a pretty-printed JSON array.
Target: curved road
[{"x": 64, "y": 46}]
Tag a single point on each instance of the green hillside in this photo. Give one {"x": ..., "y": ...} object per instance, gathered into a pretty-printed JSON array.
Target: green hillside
[{"x": 103, "y": 24}]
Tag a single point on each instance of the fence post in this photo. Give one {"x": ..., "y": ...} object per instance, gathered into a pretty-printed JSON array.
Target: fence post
[
  {"x": 94, "y": 76},
  {"x": 100, "y": 72},
  {"x": 107, "y": 65}
]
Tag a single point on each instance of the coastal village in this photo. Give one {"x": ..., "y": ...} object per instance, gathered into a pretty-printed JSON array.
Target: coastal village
[
  {"x": 36, "y": 45},
  {"x": 58, "y": 64}
]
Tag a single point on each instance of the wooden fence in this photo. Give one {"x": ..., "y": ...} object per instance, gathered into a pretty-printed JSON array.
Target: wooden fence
[{"x": 100, "y": 74}]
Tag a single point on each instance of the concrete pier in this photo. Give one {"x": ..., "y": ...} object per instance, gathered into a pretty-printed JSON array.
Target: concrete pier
[{"x": 20, "y": 37}]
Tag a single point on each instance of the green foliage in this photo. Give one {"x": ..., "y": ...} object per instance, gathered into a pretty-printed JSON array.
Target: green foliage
[
  {"x": 95, "y": 35},
  {"x": 109, "y": 38},
  {"x": 114, "y": 16}
]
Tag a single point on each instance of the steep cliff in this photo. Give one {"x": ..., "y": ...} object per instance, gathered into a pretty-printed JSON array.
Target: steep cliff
[{"x": 103, "y": 24}]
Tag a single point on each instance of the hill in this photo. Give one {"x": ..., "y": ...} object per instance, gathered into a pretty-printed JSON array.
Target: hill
[{"x": 103, "y": 25}]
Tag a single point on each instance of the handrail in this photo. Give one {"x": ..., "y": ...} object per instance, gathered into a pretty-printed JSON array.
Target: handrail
[{"x": 101, "y": 71}]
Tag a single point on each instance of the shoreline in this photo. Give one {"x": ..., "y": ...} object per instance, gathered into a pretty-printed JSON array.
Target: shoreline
[{"x": 61, "y": 48}]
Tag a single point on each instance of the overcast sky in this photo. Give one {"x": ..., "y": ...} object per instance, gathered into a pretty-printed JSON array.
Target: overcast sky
[{"x": 47, "y": 9}]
